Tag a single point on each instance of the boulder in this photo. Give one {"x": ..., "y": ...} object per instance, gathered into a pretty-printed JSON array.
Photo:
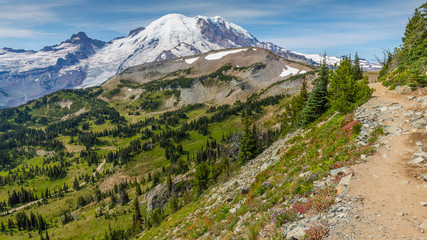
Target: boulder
[
  {"x": 338, "y": 170},
  {"x": 245, "y": 190},
  {"x": 296, "y": 234}
]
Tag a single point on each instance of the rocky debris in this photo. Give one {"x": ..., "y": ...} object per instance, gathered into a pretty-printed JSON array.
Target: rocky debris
[
  {"x": 336, "y": 171},
  {"x": 420, "y": 156},
  {"x": 418, "y": 121},
  {"x": 393, "y": 130},
  {"x": 401, "y": 89},
  {"x": 296, "y": 233}
]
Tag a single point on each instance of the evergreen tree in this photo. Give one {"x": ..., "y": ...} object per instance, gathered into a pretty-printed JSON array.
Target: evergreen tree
[
  {"x": 76, "y": 184},
  {"x": 174, "y": 203},
  {"x": 248, "y": 143},
  {"x": 345, "y": 92},
  {"x": 138, "y": 189},
  {"x": 317, "y": 103},
  {"x": 136, "y": 217},
  {"x": 357, "y": 69},
  {"x": 293, "y": 108},
  {"x": 201, "y": 176}
]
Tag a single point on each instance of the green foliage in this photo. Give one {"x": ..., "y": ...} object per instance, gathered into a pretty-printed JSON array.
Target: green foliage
[
  {"x": 201, "y": 176},
  {"x": 346, "y": 92},
  {"x": 292, "y": 114},
  {"x": 410, "y": 59},
  {"x": 317, "y": 102},
  {"x": 248, "y": 145}
]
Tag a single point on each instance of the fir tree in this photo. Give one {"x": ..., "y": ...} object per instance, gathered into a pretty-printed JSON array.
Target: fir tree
[
  {"x": 345, "y": 92},
  {"x": 137, "y": 217},
  {"x": 248, "y": 143},
  {"x": 293, "y": 108},
  {"x": 317, "y": 103},
  {"x": 357, "y": 69},
  {"x": 76, "y": 184},
  {"x": 201, "y": 176}
]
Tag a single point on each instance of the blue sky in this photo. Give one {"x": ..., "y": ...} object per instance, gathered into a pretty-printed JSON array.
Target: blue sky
[{"x": 308, "y": 26}]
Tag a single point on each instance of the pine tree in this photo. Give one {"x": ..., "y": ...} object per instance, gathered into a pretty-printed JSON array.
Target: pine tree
[
  {"x": 293, "y": 109},
  {"x": 345, "y": 92},
  {"x": 201, "y": 176},
  {"x": 76, "y": 184},
  {"x": 136, "y": 217},
  {"x": 138, "y": 189},
  {"x": 174, "y": 203},
  {"x": 317, "y": 103},
  {"x": 358, "y": 72},
  {"x": 248, "y": 143}
]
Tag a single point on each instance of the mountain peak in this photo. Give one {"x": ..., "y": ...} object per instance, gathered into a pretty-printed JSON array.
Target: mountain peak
[
  {"x": 135, "y": 31},
  {"x": 79, "y": 35}
]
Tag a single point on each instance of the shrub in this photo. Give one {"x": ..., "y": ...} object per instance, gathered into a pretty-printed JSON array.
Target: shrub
[
  {"x": 282, "y": 216},
  {"x": 324, "y": 199},
  {"x": 316, "y": 232},
  {"x": 303, "y": 207}
]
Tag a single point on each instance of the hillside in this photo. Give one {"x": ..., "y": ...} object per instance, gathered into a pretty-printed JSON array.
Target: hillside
[
  {"x": 87, "y": 152},
  {"x": 215, "y": 78},
  {"x": 84, "y": 62},
  {"x": 407, "y": 64},
  {"x": 236, "y": 143}
]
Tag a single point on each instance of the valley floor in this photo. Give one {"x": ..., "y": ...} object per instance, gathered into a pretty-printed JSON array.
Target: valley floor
[{"x": 388, "y": 192}]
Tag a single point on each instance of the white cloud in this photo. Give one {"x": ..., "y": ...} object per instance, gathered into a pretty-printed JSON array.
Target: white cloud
[{"x": 17, "y": 33}]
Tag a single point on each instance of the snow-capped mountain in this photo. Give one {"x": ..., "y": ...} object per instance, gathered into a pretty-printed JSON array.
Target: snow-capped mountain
[
  {"x": 331, "y": 61},
  {"x": 171, "y": 36},
  {"x": 25, "y": 75},
  {"x": 84, "y": 62}
]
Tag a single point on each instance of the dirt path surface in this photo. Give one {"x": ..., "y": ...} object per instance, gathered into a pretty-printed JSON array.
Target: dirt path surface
[{"x": 389, "y": 190}]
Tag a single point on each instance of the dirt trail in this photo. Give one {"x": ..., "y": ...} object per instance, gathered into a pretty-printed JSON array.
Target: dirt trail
[{"x": 390, "y": 189}]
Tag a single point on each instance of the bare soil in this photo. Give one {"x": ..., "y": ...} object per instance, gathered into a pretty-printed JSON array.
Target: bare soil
[{"x": 389, "y": 188}]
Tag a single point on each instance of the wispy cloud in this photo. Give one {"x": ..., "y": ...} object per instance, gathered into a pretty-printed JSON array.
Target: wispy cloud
[{"x": 19, "y": 33}]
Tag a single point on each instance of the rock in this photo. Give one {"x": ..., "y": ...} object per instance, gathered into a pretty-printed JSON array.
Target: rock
[
  {"x": 382, "y": 109},
  {"x": 338, "y": 170},
  {"x": 393, "y": 130},
  {"x": 340, "y": 188},
  {"x": 420, "y": 154},
  {"x": 423, "y": 204},
  {"x": 417, "y": 160},
  {"x": 410, "y": 97},
  {"x": 395, "y": 107},
  {"x": 245, "y": 190},
  {"x": 409, "y": 113},
  {"x": 318, "y": 185},
  {"x": 419, "y": 144},
  {"x": 363, "y": 156},
  {"x": 419, "y": 123},
  {"x": 305, "y": 174},
  {"x": 233, "y": 210},
  {"x": 423, "y": 225},
  {"x": 297, "y": 233},
  {"x": 345, "y": 180}
]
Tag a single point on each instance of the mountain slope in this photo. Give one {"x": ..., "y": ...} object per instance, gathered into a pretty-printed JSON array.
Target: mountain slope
[
  {"x": 85, "y": 62},
  {"x": 171, "y": 36},
  {"x": 331, "y": 60},
  {"x": 26, "y": 75},
  {"x": 214, "y": 78}
]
